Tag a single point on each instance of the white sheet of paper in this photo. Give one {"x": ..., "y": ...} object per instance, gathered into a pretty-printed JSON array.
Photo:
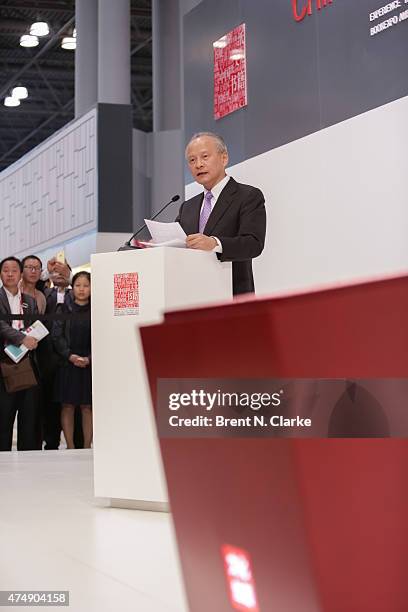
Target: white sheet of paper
[
  {"x": 181, "y": 244},
  {"x": 171, "y": 234}
]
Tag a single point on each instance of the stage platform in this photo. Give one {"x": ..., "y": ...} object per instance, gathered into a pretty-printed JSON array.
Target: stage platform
[{"x": 56, "y": 536}]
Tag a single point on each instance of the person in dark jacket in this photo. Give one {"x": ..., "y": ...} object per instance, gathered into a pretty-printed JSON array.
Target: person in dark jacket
[
  {"x": 24, "y": 404},
  {"x": 228, "y": 218},
  {"x": 72, "y": 341},
  {"x": 56, "y": 297},
  {"x": 49, "y": 360}
]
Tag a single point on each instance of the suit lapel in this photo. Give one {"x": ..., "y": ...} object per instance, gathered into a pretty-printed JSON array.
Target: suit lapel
[
  {"x": 225, "y": 199},
  {"x": 193, "y": 219},
  {"x": 4, "y": 300}
]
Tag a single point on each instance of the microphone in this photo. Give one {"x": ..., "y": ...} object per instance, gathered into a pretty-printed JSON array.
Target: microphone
[{"x": 127, "y": 246}]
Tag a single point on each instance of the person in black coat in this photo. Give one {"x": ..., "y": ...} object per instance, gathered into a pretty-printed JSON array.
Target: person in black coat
[
  {"x": 49, "y": 360},
  {"x": 72, "y": 341},
  {"x": 25, "y": 403},
  {"x": 229, "y": 218}
]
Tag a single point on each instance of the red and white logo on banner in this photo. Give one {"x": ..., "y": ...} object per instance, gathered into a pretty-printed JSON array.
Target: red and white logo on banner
[
  {"x": 241, "y": 584},
  {"x": 126, "y": 293},
  {"x": 230, "y": 79},
  {"x": 301, "y": 8}
]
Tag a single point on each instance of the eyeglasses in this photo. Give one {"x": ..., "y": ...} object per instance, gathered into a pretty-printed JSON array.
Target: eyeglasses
[{"x": 33, "y": 268}]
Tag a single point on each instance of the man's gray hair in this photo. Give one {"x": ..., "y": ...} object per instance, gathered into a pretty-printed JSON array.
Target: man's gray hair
[{"x": 220, "y": 142}]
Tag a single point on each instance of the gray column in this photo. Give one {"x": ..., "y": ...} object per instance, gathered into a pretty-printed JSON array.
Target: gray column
[
  {"x": 114, "y": 52},
  {"x": 185, "y": 6},
  {"x": 115, "y": 172},
  {"x": 166, "y": 65},
  {"x": 167, "y": 142},
  {"x": 86, "y": 55}
]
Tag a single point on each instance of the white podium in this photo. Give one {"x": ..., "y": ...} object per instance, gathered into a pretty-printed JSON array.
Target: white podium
[{"x": 130, "y": 289}]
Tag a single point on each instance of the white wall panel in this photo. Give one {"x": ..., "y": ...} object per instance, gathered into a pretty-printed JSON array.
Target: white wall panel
[{"x": 43, "y": 201}]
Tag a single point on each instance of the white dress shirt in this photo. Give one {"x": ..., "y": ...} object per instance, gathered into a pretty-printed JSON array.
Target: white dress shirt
[
  {"x": 61, "y": 295},
  {"x": 216, "y": 191},
  {"x": 15, "y": 307}
]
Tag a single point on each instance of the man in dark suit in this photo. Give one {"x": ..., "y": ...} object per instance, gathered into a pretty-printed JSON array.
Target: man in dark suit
[
  {"x": 25, "y": 403},
  {"x": 229, "y": 218}
]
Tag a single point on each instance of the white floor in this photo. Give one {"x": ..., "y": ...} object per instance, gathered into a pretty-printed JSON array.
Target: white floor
[{"x": 55, "y": 536}]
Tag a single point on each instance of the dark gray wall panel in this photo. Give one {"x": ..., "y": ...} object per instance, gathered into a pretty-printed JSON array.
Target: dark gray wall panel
[
  {"x": 188, "y": 5},
  {"x": 302, "y": 77},
  {"x": 200, "y": 30},
  {"x": 115, "y": 171},
  {"x": 359, "y": 72},
  {"x": 282, "y": 76}
]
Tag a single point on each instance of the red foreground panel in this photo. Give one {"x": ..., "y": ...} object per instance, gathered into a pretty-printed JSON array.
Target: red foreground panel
[{"x": 322, "y": 523}]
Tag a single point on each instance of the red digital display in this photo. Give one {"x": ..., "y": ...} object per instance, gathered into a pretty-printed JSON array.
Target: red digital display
[{"x": 240, "y": 580}]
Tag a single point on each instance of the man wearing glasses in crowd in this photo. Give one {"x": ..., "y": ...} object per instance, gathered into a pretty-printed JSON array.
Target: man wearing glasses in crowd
[
  {"x": 49, "y": 302},
  {"x": 32, "y": 269},
  {"x": 22, "y": 403}
]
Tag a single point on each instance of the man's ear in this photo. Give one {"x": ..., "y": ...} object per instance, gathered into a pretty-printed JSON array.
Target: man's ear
[{"x": 225, "y": 159}]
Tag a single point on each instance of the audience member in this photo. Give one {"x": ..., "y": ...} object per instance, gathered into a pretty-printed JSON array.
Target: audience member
[
  {"x": 32, "y": 268},
  {"x": 72, "y": 341},
  {"x": 60, "y": 275},
  {"x": 56, "y": 297},
  {"x": 23, "y": 403}
]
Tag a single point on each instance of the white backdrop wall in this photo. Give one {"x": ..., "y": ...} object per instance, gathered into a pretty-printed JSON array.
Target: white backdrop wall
[
  {"x": 337, "y": 203},
  {"x": 49, "y": 197}
]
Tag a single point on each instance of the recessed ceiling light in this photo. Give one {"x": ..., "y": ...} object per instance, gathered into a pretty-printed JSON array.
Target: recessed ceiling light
[
  {"x": 40, "y": 28},
  {"x": 10, "y": 101},
  {"x": 29, "y": 41},
  {"x": 19, "y": 92},
  {"x": 68, "y": 42}
]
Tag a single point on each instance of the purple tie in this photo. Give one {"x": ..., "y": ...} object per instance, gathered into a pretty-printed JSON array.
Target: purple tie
[{"x": 205, "y": 212}]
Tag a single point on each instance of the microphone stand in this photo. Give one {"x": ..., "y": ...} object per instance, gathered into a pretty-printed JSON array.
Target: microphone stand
[{"x": 128, "y": 246}]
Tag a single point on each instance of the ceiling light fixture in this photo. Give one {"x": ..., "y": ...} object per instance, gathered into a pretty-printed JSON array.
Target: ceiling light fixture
[
  {"x": 39, "y": 28},
  {"x": 10, "y": 101},
  {"x": 69, "y": 42},
  {"x": 28, "y": 41},
  {"x": 19, "y": 92}
]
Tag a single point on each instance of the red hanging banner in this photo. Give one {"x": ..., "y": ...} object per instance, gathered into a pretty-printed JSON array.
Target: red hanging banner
[{"x": 230, "y": 82}]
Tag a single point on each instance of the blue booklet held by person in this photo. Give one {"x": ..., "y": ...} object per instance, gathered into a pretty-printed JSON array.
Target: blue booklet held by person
[{"x": 37, "y": 330}]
